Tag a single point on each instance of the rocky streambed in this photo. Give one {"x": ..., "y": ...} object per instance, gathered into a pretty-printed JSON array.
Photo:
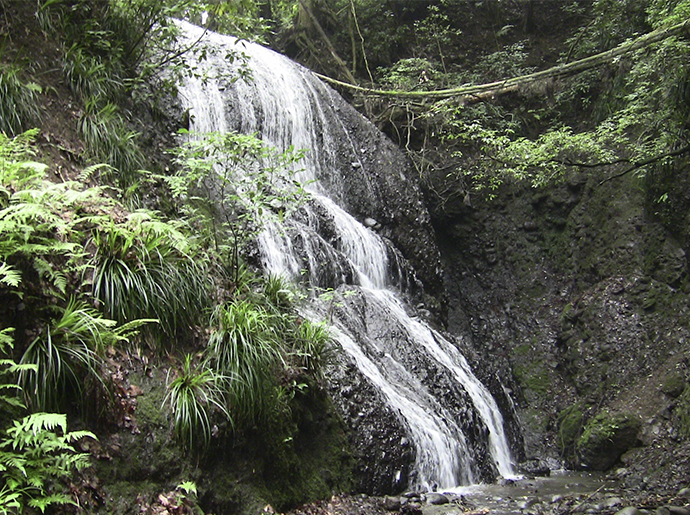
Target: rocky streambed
[{"x": 559, "y": 494}]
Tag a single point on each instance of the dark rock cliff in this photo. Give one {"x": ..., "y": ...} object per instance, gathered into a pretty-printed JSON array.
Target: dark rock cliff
[{"x": 579, "y": 293}]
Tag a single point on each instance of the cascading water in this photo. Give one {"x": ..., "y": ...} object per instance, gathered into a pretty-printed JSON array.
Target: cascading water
[{"x": 287, "y": 106}]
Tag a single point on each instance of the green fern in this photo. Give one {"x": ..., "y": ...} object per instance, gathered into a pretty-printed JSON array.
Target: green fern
[
  {"x": 40, "y": 224},
  {"x": 35, "y": 454},
  {"x": 9, "y": 276}
]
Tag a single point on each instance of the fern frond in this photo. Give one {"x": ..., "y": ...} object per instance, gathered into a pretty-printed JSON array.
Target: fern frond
[
  {"x": 75, "y": 436},
  {"x": 6, "y": 341},
  {"x": 37, "y": 422},
  {"x": 9, "y": 276},
  {"x": 41, "y": 503},
  {"x": 86, "y": 174},
  {"x": 14, "y": 461},
  {"x": 21, "y": 367},
  {"x": 56, "y": 277},
  {"x": 13, "y": 401}
]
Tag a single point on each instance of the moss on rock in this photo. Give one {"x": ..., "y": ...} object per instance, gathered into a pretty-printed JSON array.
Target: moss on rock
[
  {"x": 570, "y": 426},
  {"x": 605, "y": 438},
  {"x": 682, "y": 412},
  {"x": 673, "y": 385}
]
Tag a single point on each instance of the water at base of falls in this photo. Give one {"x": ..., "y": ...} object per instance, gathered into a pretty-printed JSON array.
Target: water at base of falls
[{"x": 285, "y": 105}]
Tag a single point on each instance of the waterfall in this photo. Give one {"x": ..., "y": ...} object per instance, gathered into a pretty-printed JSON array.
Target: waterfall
[{"x": 287, "y": 106}]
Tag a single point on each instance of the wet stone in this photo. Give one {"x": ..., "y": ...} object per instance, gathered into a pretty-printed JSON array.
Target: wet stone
[
  {"x": 392, "y": 503},
  {"x": 436, "y": 498},
  {"x": 628, "y": 510},
  {"x": 611, "y": 502}
]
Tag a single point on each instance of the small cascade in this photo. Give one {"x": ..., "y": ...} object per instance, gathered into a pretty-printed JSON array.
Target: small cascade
[{"x": 404, "y": 359}]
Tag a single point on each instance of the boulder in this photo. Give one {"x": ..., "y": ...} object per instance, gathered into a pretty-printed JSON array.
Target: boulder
[{"x": 605, "y": 438}]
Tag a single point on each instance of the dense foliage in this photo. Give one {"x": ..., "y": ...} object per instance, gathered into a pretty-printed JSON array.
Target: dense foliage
[
  {"x": 155, "y": 258},
  {"x": 85, "y": 276}
]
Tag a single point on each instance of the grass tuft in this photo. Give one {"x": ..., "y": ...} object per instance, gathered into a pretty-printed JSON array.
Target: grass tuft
[
  {"x": 193, "y": 396},
  {"x": 18, "y": 101}
]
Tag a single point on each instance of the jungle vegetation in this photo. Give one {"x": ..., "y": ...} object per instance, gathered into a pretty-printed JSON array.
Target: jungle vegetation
[{"x": 128, "y": 253}]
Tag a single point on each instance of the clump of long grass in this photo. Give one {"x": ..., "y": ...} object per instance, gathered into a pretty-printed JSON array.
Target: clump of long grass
[
  {"x": 18, "y": 101},
  {"x": 64, "y": 356},
  {"x": 89, "y": 76},
  {"x": 109, "y": 140},
  {"x": 147, "y": 269},
  {"x": 310, "y": 346},
  {"x": 244, "y": 346},
  {"x": 193, "y": 396}
]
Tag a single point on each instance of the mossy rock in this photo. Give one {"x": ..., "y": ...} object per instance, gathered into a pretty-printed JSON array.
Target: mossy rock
[
  {"x": 570, "y": 427},
  {"x": 606, "y": 438},
  {"x": 533, "y": 377},
  {"x": 673, "y": 385},
  {"x": 681, "y": 413}
]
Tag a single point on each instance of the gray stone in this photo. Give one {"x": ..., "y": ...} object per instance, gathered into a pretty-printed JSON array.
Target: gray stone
[
  {"x": 612, "y": 502},
  {"x": 628, "y": 510},
  {"x": 684, "y": 492},
  {"x": 436, "y": 498},
  {"x": 678, "y": 510},
  {"x": 662, "y": 510},
  {"x": 391, "y": 503}
]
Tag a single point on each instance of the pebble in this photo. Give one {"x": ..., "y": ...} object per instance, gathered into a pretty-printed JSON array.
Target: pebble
[{"x": 613, "y": 501}]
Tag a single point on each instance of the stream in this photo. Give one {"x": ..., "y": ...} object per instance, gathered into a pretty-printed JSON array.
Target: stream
[{"x": 562, "y": 491}]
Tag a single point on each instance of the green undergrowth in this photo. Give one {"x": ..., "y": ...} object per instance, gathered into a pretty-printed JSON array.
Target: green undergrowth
[{"x": 85, "y": 278}]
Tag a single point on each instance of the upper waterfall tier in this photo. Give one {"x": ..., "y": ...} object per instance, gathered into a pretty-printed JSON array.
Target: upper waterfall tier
[{"x": 353, "y": 163}]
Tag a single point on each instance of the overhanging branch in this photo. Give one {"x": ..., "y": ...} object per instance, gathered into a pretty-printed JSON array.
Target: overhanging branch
[
  {"x": 639, "y": 164},
  {"x": 505, "y": 86}
]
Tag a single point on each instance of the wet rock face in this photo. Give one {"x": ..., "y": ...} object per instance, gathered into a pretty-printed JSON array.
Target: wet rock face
[
  {"x": 379, "y": 444},
  {"x": 382, "y": 444},
  {"x": 378, "y": 185},
  {"x": 580, "y": 295}
]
